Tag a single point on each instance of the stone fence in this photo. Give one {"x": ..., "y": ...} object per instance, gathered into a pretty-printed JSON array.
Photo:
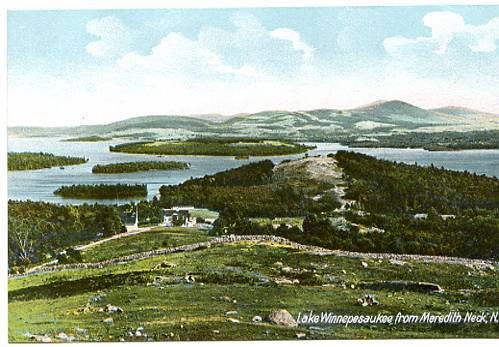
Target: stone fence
[{"x": 475, "y": 263}]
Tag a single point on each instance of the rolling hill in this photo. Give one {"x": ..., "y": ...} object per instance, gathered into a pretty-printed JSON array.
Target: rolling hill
[{"x": 378, "y": 118}]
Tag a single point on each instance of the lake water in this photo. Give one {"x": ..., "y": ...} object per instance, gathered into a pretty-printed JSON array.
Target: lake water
[{"x": 39, "y": 185}]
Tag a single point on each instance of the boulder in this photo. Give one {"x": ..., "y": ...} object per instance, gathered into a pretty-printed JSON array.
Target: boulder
[
  {"x": 166, "y": 265},
  {"x": 113, "y": 309},
  {"x": 424, "y": 287},
  {"x": 108, "y": 320},
  {"x": 39, "y": 338},
  {"x": 64, "y": 337},
  {"x": 256, "y": 319},
  {"x": 368, "y": 300},
  {"x": 282, "y": 317}
]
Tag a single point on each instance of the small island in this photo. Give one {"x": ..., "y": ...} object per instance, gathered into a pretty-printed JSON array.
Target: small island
[
  {"x": 102, "y": 191},
  {"x": 88, "y": 139},
  {"x": 214, "y": 147},
  {"x": 33, "y": 161},
  {"x": 137, "y": 166}
]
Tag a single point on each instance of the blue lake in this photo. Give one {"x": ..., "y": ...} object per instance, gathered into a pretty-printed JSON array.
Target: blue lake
[{"x": 39, "y": 185}]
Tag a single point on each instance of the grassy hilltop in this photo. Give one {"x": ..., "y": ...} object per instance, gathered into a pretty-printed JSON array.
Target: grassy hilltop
[{"x": 233, "y": 284}]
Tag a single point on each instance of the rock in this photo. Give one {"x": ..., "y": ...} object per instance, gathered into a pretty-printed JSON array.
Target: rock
[
  {"x": 256, "y": 319},
  {"x": 108, "y": 320},
  {"x": 287, "y": 269},
  {"x": 64, "y": 337},
  {"x": 368, "y": 300},
  {"x": 39, "y": 338},
  {"x": 113, "y": 309},
  {"x": 84, "y": 309},
  {"x": 300, "y": 335},
  {"x": 81, "y": 331},
  {"x": 230, "y": 312},
  {"x": 166, "y": 264},
  {"x": 233, "y": 320},
  {"x": 364, "y": 264},
  {"x": 425, "y": 287},
  {"x": 283, "y": 281},
  {"x": 344, "y": 271},
  {"x": 278, "y": 264},
  {"x": 215, "y": 331},
  {"x": 139, "y": 332},
  {"x": 96, "y": 299},
  {"x": 397, "y": 262},
  {"x": 282, "y": 317},
  {"x": 190, "y": 279}
]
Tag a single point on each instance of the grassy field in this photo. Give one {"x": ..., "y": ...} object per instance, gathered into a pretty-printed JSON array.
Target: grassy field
[
  {"x": 236, "y": 281},
  {"x": 156, "y": 238}
]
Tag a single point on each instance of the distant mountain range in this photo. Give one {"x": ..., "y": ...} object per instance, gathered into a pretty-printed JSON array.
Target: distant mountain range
[{"x": 375, "y": 119}]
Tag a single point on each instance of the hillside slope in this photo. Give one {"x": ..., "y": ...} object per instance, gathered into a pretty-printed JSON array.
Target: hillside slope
[{"x": 378, "y": 118}]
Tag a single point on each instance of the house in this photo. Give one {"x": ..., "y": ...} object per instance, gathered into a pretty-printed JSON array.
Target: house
[{"x": 179, "y": 216}]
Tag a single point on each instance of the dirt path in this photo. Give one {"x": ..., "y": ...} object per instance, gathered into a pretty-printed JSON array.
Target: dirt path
[
  {"x": 475, "y": 263},
  {"x": 131, "y": 232}
]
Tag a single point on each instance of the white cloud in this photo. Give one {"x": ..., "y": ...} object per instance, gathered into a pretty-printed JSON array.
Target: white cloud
[
  {"x": 248, "y": 53},
  {"x": 246, "y": 68},
  {"x": 114, "y": 37},
  {"x": 446, "y": 27},
  {"x": 182, "y": 57},
  {"x": 293, "y": 37}
]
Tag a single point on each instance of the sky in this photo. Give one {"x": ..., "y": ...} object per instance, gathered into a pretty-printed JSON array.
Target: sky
[{"x": 98, "y": 66}]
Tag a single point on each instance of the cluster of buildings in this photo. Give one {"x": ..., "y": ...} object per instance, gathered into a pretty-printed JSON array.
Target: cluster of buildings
[{"x": 183, "y": 216}]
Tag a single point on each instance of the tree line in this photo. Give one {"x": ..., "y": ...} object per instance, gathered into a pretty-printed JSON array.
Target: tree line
[
  {"x": 214, "y": 147},
  {"x": 137, "y": 166},
  {"x": 38, "y": 231},
  {"x": 102, "y": 191},
  {"x": 389, "y": 187},
  {"x": 34, "y": 161}
]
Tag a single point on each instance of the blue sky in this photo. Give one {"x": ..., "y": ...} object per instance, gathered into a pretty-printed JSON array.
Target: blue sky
[{"x": 72, "y": 67}]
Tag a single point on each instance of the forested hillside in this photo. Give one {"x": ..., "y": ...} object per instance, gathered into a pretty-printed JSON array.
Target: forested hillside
[
  {"x": 247, "y": 191},
  {"x": 389, "y": 187}
]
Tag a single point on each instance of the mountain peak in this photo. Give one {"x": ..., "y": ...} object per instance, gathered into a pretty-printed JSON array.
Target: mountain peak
[{"x": 386, "y": 104}]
